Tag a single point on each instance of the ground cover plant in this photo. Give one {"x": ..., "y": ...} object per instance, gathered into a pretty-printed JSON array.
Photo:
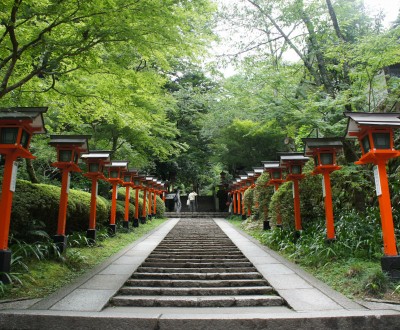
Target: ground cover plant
[
  {"x": 38, "y": 269},
  {"x": 350, "y": 265}
]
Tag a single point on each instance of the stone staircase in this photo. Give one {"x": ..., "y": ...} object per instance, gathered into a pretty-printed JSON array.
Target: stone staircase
[
  {"x": 196, "y": 265},
  {"x": 187, "y": 215}
]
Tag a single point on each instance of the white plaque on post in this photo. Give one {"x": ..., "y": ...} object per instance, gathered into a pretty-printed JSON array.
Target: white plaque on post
[
  {"x": 13, "y": 177},
  {"x": 377, "y": 181},
  {"x": 293, "y": 188},
  {"x": 323, "y": 187},
  {"x": 68, "y": 182}
]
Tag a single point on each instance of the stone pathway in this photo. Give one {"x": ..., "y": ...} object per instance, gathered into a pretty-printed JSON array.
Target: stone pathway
[
  {"x": 151, "y": 269},
  {"x": 196, "y": 265}
]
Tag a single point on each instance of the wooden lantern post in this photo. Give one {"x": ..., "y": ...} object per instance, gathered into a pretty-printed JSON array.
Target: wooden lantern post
[
  {"x": 238, "y": 197},
  {"x": 374, "y": 132},
  {"x": 17, "y": 125},
  {"x": 115, "y": 170},
  {"x": 143, "y": 218},
  {"x": 95, "y": 161},
  {"x": 149, "y": 184},
  {"x": 155, "y": 193},
  {"x": 69, "y": 149},
  {"x": 159, "y": 192},
  {"x": 275, "y": 172},
  {"x": 127, "y": 183},
  {"x": 249, "y": 185},
  {"x": 233, "y": 195},
  {"x": 324, "y": 151},
  {"x": 137, "y": 186},
  {"x": 257, "y": 173},
  {"x": 294, "y": 162},
  {"x": 243, "y": 188}
]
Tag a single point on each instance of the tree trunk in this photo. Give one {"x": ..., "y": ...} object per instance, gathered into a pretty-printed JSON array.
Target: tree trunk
[
  {"x": 315, "y": 48},
  {"x": 335, "y": 23},
  {"x": 339, "y": 34},
  {"x": 306, "y": 62},
  {"x": 31, "y": 171}
]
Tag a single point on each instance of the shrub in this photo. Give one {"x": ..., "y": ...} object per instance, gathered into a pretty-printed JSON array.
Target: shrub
[
  {"x": 262, "y": 196},
  {"x": 35, "y": 207},
  {"x": 160, "y": 203}
]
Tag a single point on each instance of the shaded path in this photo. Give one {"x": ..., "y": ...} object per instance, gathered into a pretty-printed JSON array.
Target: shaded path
[
  {"x": 196, "y": 265},
  {"x": 84, "y": 304}
]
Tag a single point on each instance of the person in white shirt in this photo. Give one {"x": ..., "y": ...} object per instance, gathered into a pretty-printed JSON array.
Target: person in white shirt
[
  {"x": 192, "y": 201},
  {"x": 177, "y": 200}
]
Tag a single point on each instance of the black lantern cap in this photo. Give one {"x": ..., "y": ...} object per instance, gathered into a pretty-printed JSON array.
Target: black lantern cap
[
  {"x": 321, "y": 143},
  {"x": 270, "y": 165},
  {"x": 293, "y": 159},
  {"x": 374, "y": 119},
  {"x": 97, "y": 155},
  {"x": 33, "y": 114},
  {"x": 71, "y": 140}
]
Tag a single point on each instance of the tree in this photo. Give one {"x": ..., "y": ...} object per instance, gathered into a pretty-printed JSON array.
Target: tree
[{"x": 48, "y": 39}]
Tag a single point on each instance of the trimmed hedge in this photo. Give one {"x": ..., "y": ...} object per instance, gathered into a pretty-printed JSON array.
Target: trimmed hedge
[
  {"x": 35, "y": 207},
  {"x": 160, "y": 203}
]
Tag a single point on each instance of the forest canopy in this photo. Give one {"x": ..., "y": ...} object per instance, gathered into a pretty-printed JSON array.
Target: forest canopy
[{"x": 137, "y": 76}]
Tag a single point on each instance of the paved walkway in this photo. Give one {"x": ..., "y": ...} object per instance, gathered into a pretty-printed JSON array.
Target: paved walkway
[{"x": 310, "y": 303}]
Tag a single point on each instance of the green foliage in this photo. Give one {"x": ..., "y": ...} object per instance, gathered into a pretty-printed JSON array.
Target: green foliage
[
  {"x": 358, "y": 236},
  {"x": 244, "y": 143},
  {"x": 121, "y": 204},
  {"x": 248, "y": 200},
  {"x": 35, "y": 207},
  {"x": 263, "y": 195},
  {"x": 377, "y": 283},
  {"x": 282, "y": 205}
]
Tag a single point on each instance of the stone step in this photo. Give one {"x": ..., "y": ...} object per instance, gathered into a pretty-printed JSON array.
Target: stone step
[
  {"x": 192, "y": 260},
  {"x": 165, "y": 264},
  {"x": 182, "y": 244},
  {"x": 188, "y": 256},
  {"x": 197, "y": 276},
  {"x": 195, "y": 291},
  {"x": 194, "y": 249},
  {"x": 196, "y": 270},
  {"x": 199, "y": 301},
  {"x": 196, "y": 283},
  {"x": 198, "y": 253}
]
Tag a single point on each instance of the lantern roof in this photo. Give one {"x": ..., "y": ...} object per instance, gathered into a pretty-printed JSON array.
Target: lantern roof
[
  {"x": 296, "y": 158},
  {"x": 118, "y": 163},
  {"x": 315, "y": 143},
  {"x": 131, "y": 171},
  {"x": 258, "y": 170},
  {"x": 250, "y": 174},
  {"x": 379, "y": 120},
  {"x": 271, "y": 165},
  {"x": 97, "y": 154},
  {"x": 80, "y": 140},
  {"x": 33, "y": 114},
  {"x": 243, "y": 177}
]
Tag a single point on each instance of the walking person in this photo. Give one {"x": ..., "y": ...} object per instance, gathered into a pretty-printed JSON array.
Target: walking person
[
  {"x": 177, "y": 200},
  {"x": 192, "y": 201},
  {"x": 229, "y": 203}
]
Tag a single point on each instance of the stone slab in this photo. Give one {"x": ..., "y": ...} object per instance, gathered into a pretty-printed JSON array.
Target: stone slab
[
  {"x": 105, "y": 281},
  {"x": 308, "y": 300},
  {"x": 84, "y": 300},
  {"x": 273, "y": 269},
  {"x": 114, "y": 269},
  {"x": 129, "y": 260},
  {"x": 288, "y": 281}
]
